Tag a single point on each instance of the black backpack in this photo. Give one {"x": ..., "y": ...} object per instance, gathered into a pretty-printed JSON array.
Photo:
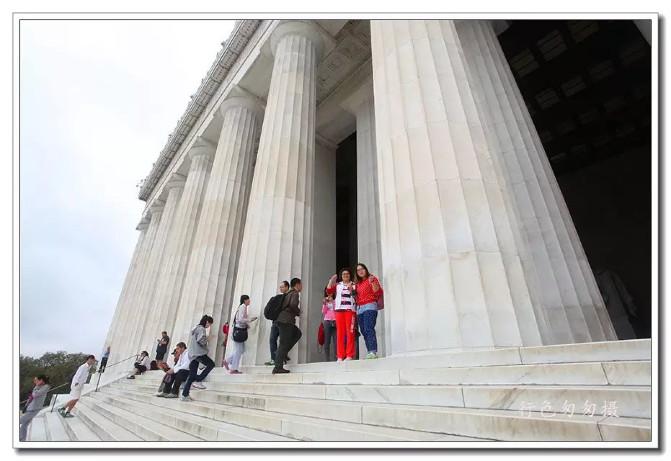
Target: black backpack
[{"x": 274, "y": 307}]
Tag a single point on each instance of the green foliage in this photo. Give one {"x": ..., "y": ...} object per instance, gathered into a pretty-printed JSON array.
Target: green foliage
[{"x": 58, "y": 366}]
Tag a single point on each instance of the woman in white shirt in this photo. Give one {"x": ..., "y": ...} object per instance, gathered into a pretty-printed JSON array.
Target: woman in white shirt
[{"x": 241, "y": 322}]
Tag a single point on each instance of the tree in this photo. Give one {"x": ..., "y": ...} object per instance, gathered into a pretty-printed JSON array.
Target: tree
[{"x": 58, "y": 366}]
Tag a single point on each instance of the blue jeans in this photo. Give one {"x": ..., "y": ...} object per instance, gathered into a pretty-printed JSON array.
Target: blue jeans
[
  {"x": 274, "y": 336},
  {"x": 193, "y": 372},
  {"x": 367, "y": 321}
]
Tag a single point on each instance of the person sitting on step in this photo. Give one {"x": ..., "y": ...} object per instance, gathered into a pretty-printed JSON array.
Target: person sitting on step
[
  {"x": 141, "y": 365},
  {"x": 175, "y": 376}
]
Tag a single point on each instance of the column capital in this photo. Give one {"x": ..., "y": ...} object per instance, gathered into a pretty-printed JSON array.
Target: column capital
[
  {"x": 176, "y": 181},
  {"x": 321, "y": 39},
  {"x": 325, "y": 142},
  {"x": 143, "y": 224},
  {"x": 360, "y": 96},
  {"x": 248, "y": 101},
  {"x": 157, "y": 206},
  {"x": 202, "y": 147}
]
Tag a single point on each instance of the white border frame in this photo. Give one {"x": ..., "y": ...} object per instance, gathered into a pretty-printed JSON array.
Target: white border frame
[{"x": 654, "y": 443}]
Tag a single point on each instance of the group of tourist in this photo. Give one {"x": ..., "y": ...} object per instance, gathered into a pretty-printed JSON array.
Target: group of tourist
[{"x": 350, "y": 305}]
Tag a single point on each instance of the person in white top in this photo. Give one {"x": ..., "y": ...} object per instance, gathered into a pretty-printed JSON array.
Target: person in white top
[
  {"x": 141, "y": 365},
  {"x": 241, "y": 322},
  {"x": 179, "y": 373},
  {"x": 76, "y": 386}
]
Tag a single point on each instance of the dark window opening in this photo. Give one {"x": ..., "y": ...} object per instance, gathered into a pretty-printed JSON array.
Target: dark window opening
[{"x": 346, "y": 237}]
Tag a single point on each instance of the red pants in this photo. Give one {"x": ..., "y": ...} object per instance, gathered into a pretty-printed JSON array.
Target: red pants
[{"x": 344, "y": 331}]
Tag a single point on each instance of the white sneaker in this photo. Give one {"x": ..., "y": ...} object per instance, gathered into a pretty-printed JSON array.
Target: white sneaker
[
  {"x": 186, "y": 398},
  {"x": 348, "y": 358},
  {"x": 339, "y": 360},
  {"x": 199, "y": 385}
]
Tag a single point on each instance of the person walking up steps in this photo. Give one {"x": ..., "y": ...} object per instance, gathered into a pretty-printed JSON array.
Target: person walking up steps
[
  {"x": 76, "y": 386},
  {"x": 241, "y": 323},
  {"x": 34, "y": 405},
  {"x": 103, "y": 360},
  {"x": 345, "y": 313},
  {"x": 275, "y": 331},
  {"x": 198, "y": 352},
  {"x": 290, "y": 334}
]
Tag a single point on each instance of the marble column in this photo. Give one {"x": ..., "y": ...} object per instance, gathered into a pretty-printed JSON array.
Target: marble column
[
  {"x": 277, "y": 242},
  {"x": 123, "y": 346},
  {"x": 449, "y": 273},
  {"x": 120, "y": 312},
  {"x": 208, "y": 286},
  {"x": 142, "y": 330},
  {"x": 323, "y": 251},
  {"x": 178, "y": 248},
  {"x": 566, "y": 289},
  {"x": 361, "y": 105}
]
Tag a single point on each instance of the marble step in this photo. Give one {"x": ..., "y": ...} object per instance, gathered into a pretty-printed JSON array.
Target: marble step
[
  {"x": 604, "y": 351},
  {"x": 490, "y": 424},
  {"x": 56, "y": 430},
  {"x": 77, "y": 430},
  {"x": 596, "y": 373},
  {"x": 288, "y": 425},
  {"x": 103, "y": 427},
  {"x": 202, "y": 428},
  {"x": 37, "y": 431},
  {"x": 630, "y": 401},
  {"x": 138, "y": 423}
]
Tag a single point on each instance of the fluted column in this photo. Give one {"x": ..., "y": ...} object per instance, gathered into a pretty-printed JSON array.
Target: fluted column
[
  {"x": 178, "y": 248},
  {"x": 208, "y": 286},
  {"x": 141, "y": 330},
  {"x": 123, "y": 345},
  {"x": 120, "y": 312},
  {"x": 277, "y": 243},
  {"x": 361, "y": 105},
  {"x": 449, "y": 264},
  {"x": 566, "y": 289}
]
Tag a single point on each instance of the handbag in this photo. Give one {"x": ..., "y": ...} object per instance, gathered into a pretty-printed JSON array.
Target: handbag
[{"x": 240, "y": 335}]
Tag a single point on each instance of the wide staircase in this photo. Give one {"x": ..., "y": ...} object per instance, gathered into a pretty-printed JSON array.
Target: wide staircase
[{"x": 580, "y": 392}]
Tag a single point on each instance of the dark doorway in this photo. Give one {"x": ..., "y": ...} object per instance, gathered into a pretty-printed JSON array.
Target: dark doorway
[
  {"x": 587, "y": 86},
  {"x": 346, "y": 238}
]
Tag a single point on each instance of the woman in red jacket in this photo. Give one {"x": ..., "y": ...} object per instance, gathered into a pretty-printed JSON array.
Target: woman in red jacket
[
  {"x": 368, "y": 291},
  {"x": 345, "y": 313}
]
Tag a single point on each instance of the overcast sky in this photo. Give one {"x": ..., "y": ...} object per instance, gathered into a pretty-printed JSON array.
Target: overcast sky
[{"x": 98, "y": 100}]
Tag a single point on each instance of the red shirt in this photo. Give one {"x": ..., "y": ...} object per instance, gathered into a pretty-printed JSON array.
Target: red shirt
[{"x": 365, "y": 293}]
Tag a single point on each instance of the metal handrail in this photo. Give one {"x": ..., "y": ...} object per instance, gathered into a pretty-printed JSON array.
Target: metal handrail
[
  {"x": 110, "y": 366},
  {"x": 66, "y": 383}
]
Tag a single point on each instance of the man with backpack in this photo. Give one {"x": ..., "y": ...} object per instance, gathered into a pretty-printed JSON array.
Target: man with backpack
[
  {"x": 274, "y": 330},
  {"x": 286, "y": 323}
]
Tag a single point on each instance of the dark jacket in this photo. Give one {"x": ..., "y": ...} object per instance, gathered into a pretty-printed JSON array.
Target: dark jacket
[{"x": 290, "y": 308}]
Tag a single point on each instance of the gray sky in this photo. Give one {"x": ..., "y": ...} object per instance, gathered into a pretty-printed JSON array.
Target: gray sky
[{"x": 98, "y": 101}]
